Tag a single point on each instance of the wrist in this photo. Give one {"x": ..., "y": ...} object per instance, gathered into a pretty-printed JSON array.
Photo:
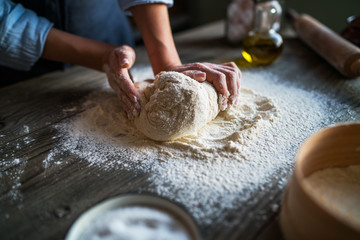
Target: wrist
[{"x": 164, "y": 60}]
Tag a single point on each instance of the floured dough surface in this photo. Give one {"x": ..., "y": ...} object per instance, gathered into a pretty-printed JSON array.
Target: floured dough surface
[{"x": 175, "y": 106}]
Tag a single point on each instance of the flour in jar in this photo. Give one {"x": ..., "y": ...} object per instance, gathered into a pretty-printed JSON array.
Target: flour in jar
[
  {"x": 135, "y": 223},
  {"x": 338, "y": 190}
]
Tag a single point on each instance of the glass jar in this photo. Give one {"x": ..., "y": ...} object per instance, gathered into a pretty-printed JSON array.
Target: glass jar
[{"x": 264, "y": 44}]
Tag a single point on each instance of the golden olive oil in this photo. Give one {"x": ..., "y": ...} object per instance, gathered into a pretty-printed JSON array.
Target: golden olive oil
[{"x": 262, "y": 48}]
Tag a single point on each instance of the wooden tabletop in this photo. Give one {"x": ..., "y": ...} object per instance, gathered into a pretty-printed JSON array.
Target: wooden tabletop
[{"x": 38, "y": 202}]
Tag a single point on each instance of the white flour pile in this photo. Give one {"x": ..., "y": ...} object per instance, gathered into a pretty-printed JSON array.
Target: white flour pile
[
  {"x": 135, "y": 223},
  {"x": 225, "y": 166},
  {"x": 338, "y": 189}
]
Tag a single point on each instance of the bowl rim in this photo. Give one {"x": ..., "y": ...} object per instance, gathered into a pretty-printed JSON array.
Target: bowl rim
[
  {"x": 300, "y": 176},
  {"x": 160, "y": 203}
]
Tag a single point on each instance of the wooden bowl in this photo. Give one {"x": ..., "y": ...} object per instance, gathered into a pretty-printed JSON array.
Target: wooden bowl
[{"x": 303, "y": 216}]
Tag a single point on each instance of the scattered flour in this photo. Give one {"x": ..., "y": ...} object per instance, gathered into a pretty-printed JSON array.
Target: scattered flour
[
  {"x": 26, "y": 129},
  {"x": 12, "y": 177},
  {"x": 135, "y": 223},
  {"x": 253, "y": 146},
  {"x": 338, "y": 190},
  {"x": 210, "y": 175}
]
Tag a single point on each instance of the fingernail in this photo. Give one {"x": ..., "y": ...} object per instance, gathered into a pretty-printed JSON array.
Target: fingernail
[
  {"x": 124, "y": 62},
  {"x": 137, "y": 107},
  {"x": 201, "y": 75},
  {"x": 134, "y": 99}
]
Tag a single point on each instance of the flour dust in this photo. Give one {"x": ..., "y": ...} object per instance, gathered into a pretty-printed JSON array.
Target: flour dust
[{"x": 221, "y": 167}]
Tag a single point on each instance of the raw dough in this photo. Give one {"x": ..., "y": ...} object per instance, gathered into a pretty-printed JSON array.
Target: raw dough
[{"x": 175, "y": 106}]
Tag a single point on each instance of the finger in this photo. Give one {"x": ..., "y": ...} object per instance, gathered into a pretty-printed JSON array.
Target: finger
[
  {"x": 132, "y": 110},
  {"x": 124, "y": 57},
  {"x": 128, "y": 107},
  {"x": 126, "y": 85},
  {"x": 129, "y": 102},
  {"x": 233, "y": 75},
  {"x": 237, "y": 99},
  {"x": 121, "y": 82},
  {"x": 190, "y": 66},
  {"x": 234, "y": 67},
  {"x": 231, "y": 80},
  {"x": 217, "y": 78},
  {"x": 232, "y": 87},
  {"x": 125, "y": 103},
  {"x": 230, "y": 66},
  {"x": 195, "y": 74}
]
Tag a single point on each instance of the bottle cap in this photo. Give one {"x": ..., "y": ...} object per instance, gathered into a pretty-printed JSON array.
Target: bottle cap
[{"x": 268, "y": 16}]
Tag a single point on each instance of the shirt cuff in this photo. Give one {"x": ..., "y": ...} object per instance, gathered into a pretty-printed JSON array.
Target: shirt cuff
[
  {"x": 127, "y": 4},
  {"x": 22, "y": 36}
]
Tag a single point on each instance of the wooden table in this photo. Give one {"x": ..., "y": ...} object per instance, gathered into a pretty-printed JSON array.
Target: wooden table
[{"x": 42, "y": 203}]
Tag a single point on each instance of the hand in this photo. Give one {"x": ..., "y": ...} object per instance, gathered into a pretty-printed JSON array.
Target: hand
[
  {"x": 225, "y": 78},
  {"x": 116, "y": 65}
]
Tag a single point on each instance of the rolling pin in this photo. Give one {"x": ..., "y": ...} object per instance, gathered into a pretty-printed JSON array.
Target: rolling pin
[{"x": 339, "y": 52}]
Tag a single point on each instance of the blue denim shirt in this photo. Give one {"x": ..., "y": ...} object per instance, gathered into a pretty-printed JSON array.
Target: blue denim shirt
[{"x": 23, "y": 33}]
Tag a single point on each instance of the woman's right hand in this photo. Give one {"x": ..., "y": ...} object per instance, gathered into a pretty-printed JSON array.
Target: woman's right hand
[
  {"x": 117, "y": 63},
  {"x": 225, "y": 78}
]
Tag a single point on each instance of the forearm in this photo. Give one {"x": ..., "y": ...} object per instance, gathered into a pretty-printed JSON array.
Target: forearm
[
  {"x": 65, "y": 47},
  {"x": 154, "y": 25}
]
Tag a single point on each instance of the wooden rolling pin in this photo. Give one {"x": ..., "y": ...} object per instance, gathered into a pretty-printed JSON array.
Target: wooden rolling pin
[{"x": 339, "y": 52}]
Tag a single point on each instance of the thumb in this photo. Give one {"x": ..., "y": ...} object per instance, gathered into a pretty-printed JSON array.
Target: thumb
[
  {"x": 125, "y": 56},
  {"x": 195, "y": 74}
]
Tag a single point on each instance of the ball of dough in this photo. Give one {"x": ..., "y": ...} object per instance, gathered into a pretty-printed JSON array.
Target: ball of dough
[{"x": 175, "y": 106}]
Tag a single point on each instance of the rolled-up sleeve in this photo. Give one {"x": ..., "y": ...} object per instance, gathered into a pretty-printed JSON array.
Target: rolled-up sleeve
[
  {"x": 125, "y": 5},
  {"x": 22, "y": 36}
]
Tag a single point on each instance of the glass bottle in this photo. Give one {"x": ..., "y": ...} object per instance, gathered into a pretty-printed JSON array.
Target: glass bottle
[{"x": 264, "y": 44}]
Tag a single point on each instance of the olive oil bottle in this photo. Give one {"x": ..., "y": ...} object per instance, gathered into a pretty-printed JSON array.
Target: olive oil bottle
[{"x": 263, "y": 45}]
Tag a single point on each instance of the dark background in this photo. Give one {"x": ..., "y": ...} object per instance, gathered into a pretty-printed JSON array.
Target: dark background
[{"x": 192, "y": 13}]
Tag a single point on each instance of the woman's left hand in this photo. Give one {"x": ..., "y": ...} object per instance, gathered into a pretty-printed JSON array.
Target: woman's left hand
[
  {"x": 116, "y": 65},
  {"x": 225, "y": 78}
]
